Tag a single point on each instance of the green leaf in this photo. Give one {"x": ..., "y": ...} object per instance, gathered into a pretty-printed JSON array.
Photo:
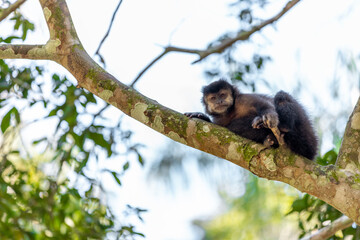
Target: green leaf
[
  {"x": 9, "y": 39},
  {"x": 140, "y": 159},
  {"x": 298, "y": 205},
  {"x": 14, "y": 152},
  {"x": 25, "y": 27},
  {"x": 5, "y": 123},
  {"x": 16, "y": 114},
  {"x": 40, "y": 140},
  {"x": 116, "y": 177},
  {"x": 328, "y": 158},
  {"x": 126, "y": 166},
  {"x": 53, "y": 112},
  {"x": 17, "y": 22}
]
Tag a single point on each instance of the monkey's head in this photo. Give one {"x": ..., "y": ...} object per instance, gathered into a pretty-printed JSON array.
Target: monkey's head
[{"x": 218, "y": 97}]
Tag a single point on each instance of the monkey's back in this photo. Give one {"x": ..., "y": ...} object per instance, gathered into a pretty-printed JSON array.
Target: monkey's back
[{"x": 298, "y": 131}]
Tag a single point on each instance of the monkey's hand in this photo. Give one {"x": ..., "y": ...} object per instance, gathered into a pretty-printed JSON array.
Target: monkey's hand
[
  {"x": 258, "y": 122},
  {"x": 198, "y": 115},
  {"x": 268, "y": 120},
  {"x": 271, "y": 121}
]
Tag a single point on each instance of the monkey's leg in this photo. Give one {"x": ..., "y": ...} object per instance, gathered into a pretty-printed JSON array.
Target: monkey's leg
[
  {"x": 269, "y": 141},
  {"x": 271, "y": 121},
  {"x": 278, "y": 135}
]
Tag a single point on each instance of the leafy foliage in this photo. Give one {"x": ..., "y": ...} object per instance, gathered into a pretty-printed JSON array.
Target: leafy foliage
[
  {"x": 23, "y": 24},
  {"x": 38, "y": 203},
  {"x": 35, "y": 206}
]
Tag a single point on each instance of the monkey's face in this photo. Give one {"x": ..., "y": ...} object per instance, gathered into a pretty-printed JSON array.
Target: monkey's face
[{"x": 218, "y": 103}]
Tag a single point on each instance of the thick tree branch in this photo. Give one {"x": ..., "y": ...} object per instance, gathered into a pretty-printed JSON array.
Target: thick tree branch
[
  {"x": 349, "y": 154},
  {"x": 241, "y": 36},
  {"x": 330, "y": 184},
  {"x": 6, "y": 12},
  {"x": 328, "y": 231}
]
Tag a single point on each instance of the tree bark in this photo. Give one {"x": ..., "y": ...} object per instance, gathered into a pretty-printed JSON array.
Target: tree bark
[{"x": 349, "y": 154}]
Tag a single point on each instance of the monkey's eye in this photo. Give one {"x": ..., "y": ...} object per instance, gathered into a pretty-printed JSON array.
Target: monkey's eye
[
  {"x": 223, "y": 95},
  {"x": 213, "y": 98}
]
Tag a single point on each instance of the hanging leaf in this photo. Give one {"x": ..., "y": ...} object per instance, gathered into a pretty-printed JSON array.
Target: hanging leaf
[
  {"x": 116, "y": 178},
  {"x": 6, "y": 121},
  {"x": 126, "y": 166}
]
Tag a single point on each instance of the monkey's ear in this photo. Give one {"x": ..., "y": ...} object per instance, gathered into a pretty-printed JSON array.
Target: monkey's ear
[{"x": 203, "y": 101}]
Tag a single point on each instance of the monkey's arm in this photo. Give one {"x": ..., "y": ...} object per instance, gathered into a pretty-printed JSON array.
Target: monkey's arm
[
  {"x": 198, "y": 115},
  {"x": 267, "y": 117},
  {"x": 269, "y": 120}
]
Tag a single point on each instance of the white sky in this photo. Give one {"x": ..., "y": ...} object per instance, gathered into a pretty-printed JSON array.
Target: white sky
[{"x": 304, "y": 46}]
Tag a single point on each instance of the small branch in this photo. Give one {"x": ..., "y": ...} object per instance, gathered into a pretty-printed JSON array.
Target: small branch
[
  {"x": 107, "y": 33},
  {"x": 167, "y": 50},
  {"x": 6, "y": 12},
  {"x": 147, "y": 67},
  {"x": 244, "y": 35},
  {"x": 10, "y": 51},
  {"x": 328, "y": 231},
  {"x": 241, "y": 36}
]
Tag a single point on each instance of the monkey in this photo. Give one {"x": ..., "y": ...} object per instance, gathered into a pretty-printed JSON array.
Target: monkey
[
  {"x": 294, "y": 123},
  {"x": 271, "y": 121}
]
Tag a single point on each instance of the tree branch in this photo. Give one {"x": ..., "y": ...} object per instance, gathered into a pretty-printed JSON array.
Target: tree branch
[
  {"x": 328, "y": 231},
  {"x": 40, "y": 52},
  {"x": 241, "y": 36},
  {"x": 107, "y": 33},
  {"x": 6, "y": 12},
  {"x": 349, "y": 154},
  {"x": 167, "y": 49},
  {"x": 330, "y": 184}
]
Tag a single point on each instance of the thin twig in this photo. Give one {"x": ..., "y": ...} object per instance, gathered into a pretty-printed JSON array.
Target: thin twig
[
  {"x": 166, "y": 50},
  {"x": 147, "y": 67},
  {"x": 6, "y": 12},
  {"x": 241, "y": 36},
  {"x": 107, "y": 33}
]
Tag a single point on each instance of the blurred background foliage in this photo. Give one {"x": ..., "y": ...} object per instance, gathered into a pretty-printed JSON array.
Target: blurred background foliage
[
  {"x": 255, "y": 215},
  {"x": 49, "y": 190},
  {"x": 46, "y": 188}
]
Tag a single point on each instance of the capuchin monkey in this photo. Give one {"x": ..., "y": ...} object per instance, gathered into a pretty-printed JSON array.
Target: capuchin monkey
[{"x": 263, "y": 119}]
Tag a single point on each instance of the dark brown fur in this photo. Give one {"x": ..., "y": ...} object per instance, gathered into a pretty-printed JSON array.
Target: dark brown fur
[{"x": 252, "y": 116}]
